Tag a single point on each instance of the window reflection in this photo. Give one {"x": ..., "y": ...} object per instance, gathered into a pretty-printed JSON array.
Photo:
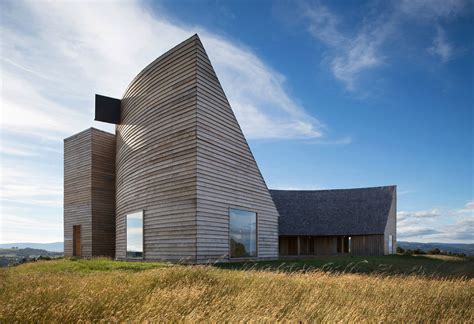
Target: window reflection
[
  {"x": 243, "y": 233},
  {"x": 390, "y": 244},
  {"x": 135, "y": 235}
]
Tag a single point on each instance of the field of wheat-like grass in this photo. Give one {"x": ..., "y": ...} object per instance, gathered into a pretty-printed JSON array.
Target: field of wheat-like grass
[{"x": 68, "y": 291}]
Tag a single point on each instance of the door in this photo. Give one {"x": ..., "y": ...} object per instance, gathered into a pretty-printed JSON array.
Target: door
[{"x": 76, "y": 240}]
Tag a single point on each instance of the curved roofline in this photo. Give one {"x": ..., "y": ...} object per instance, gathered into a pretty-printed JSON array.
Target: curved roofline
[
  {"x": 159, "y": 58},
  {"x": 338, "y": 189}
]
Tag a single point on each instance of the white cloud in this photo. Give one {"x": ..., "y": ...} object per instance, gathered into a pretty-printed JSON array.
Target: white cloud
[
  {"x": 440, "y": 225},
  {"x": 31, "y": 187},
  {"x": 56, "y": 56},
  {"x": 76, "y": 50},
  {"x": 27, "y": 224},
  {"x": 433, "y": 9},
  {"x": 441, "y": 47},
  {"x": 469, "y": 205},
  {"x": 351, "y": 54},
  {"x": 19, "y": 149},
  {"x": 402, "y": 215},
  {"x": 340, "y": 141}
]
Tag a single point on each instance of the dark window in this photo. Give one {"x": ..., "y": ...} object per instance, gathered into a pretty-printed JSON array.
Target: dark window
[
  {"x": 339, "y": 244},
  {"x": 346, "y": 244},
  {"x": 243, "y": 233}
]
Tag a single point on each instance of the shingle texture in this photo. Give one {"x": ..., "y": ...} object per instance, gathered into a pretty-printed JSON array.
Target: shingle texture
[{"x": 361, "y": 211}]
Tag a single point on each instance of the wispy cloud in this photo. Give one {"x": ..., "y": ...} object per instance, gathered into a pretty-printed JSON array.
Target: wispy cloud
[
  {"x": 351, "y": 54},
  {"x": 445, "y": 225},
  {"x": 338, "y": 141},
  {"x": 469, "y": 205},
  {"x": 56, "y": 56},
  {"x": 29, "y": 224},
  {"x": 30, "y": 187},
  {"x": 56, "y": 90},
  {"x": 433, "y": 9},
  {"x": 419, "y": 214},
  {"x": 441, "y": 47}
]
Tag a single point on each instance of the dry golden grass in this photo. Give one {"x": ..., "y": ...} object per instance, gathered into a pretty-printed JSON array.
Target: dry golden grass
[{"x": 52, "y": 292}]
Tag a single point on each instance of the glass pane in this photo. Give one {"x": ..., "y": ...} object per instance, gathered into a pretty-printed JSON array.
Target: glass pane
[
  {"x": 243, "y": 233},
  {"x": 390, "y": 244},
  {"x": 135, "y": 235}
]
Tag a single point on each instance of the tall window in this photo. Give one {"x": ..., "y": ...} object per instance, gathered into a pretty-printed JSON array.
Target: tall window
[
  {"x": 243, "y": 233},
  {"x": 135, "y": 235},
  {"x": 390, "y": 244}
]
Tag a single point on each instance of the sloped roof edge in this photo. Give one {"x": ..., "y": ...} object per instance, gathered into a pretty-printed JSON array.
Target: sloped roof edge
[{"x": 356, "y": 211}]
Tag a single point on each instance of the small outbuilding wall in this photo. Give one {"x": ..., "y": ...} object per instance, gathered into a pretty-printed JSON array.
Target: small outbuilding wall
[
  {"x": 325, "y": 222},
  {"x": 89, "y": 194}
]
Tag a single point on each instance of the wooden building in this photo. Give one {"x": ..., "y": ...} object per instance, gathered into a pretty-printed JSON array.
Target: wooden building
[
  {"x": 177, "y": 181},
  {"x": 89, "y": 194},
  {"x": 342, "y": 221},
  {"x": 187, "y": 185}
]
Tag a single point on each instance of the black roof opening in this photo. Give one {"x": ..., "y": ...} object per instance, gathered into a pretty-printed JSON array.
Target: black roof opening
[{"x": 107, "y": 109}]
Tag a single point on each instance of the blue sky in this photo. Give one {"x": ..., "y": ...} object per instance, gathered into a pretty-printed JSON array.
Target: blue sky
[{"x": 330, "y": 94}]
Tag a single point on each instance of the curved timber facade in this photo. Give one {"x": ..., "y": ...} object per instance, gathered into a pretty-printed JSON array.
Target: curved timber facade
[
  {"x": 177, "y": 181},
  {"x": 182, "y": 159}
]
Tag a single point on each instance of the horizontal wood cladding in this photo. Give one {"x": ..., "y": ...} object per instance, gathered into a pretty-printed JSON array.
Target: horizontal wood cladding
[
  {"x": 103, "y": 193},
  {"x": 157, "y": 156},
  {"x": 77, "y": 191},
  {"x": 182, "y": 159},
  {"x": 89, "y": 192},
  {"x": 227, "y": 174}
]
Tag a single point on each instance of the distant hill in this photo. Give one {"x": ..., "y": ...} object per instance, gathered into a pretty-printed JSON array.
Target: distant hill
[
  {"x": 467, "y": 249},
  {"x": 11, "y": 256},
  {"x": 53, "y": 247}
]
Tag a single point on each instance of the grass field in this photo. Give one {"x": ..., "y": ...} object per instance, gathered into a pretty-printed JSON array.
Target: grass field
[
  {"x": 381, "y": 289},
  {"x": 425, "y": 265}
]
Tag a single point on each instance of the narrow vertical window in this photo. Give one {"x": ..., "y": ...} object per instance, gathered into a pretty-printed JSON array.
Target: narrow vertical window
[
  {"x": 242, "y": 233},
  {"x": 390, "y": 244},
  {"x": 135, "y": 235}
]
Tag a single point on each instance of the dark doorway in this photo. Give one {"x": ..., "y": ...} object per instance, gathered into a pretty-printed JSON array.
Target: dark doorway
[
  {"x": 339, "y": 244},
  {"x": 76, "y": 239},
  {"x": 346, "y": 244}
]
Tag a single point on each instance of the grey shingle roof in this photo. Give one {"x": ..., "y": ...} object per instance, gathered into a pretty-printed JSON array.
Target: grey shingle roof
[{"x": 359, "y": 211}]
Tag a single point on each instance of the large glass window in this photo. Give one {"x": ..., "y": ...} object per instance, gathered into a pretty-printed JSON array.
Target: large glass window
[
  {"x": 243, "y": 233},
  {"x": 135, "y": 235}
]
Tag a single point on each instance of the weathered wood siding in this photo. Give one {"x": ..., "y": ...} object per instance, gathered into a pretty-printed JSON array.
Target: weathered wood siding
[
  {"x": 227, "y": 174},
  {"x": 314, "y": 245},
  {"x": 182, "y": 158},
  {"x": 367, "y": 245},
  {"x": 156, "y": 156},
  {"x": 103, "y": 193},
  {"x": 327, "y": 245},
  {"x": 89, "y": 181},
  {"x": 77, "y": 191}
]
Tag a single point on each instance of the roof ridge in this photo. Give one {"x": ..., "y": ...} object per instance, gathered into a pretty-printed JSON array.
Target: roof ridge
[{"x": 336, "y": 189}]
